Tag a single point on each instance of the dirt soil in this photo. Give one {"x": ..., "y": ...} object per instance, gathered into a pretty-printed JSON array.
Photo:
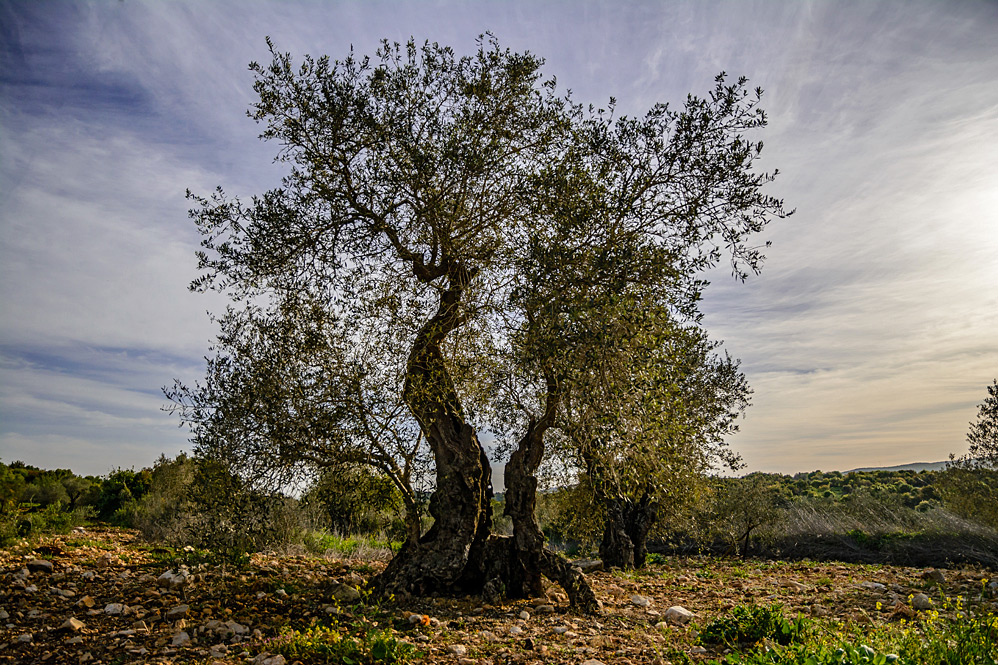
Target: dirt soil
[{"x": 104, "y": 600}]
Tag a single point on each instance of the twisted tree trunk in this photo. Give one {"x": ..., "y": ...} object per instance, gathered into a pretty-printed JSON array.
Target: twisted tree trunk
[
  {"x": 625, "y": 533},
  {"x": 461, "y": 504},
  {"x": 459, "y": 554}
]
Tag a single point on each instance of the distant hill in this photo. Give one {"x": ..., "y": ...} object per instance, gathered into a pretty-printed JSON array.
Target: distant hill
[{"x": 914, "y": 466}]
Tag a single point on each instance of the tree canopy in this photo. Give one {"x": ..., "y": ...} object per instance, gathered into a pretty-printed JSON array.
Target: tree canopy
[{"x": 456, "y": 236}]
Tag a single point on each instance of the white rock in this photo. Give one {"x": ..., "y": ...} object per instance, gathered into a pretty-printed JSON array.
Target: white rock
[
  {"x": 698, "y": 650},
  {"x": 872, "y": 586},
  {"x": 560, "y": 630},
  {"x": 24, "y": 638},
  {"x": 114, "y": 609},
  {"x": 515, "y": 630},
  {"x": 592, "y": 661},
  {"x": 175, "y": 579},
  {"x": 678, "y": 614},
  {"x": 542, "y": 609},
  {"x": 640, "y": 601},
  {"x": 458, "y": 649},
  {"x": 525, "y": 615},
  {"x": 921, "y": 602}
]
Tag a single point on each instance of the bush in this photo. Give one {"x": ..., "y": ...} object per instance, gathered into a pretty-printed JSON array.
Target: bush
[
  {"x": 754, "y": 623},
  {"x": 355, "y": 500}
]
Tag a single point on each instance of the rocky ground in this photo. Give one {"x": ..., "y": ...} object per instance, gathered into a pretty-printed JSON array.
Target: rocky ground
[{"x": 103, "y": 596}]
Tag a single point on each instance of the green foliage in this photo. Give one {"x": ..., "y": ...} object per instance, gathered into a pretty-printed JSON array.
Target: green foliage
[
  {"x": 232, "y": 520},
  {"x": 983, "y": 433},
  {"x": 354, "y": 499},
  {"x": 971, "y": 490},
  {"x": 969, "y": 637},
  {"x": 119, "y": 494},
  {"x": 320, "y": 644},
  {"x": 743, "y": 505},
  {"x": 752, "y": 623}
]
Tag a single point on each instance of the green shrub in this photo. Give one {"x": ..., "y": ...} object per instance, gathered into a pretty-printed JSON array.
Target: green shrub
[
  {"x": 753, "y": 623},
  {"x": 319, "y": 644}
]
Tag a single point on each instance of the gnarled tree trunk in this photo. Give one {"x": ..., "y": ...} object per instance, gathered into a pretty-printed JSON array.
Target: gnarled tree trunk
[
  {"x": 459, "y": 554},
  {"x": 625, "y": 534},
  {"x": 461, "y": 504}
]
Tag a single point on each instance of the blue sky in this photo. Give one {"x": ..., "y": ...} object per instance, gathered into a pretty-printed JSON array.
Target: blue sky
[{"x": 869, "y": 338}]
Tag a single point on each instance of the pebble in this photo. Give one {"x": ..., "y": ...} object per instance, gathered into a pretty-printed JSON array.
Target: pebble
[
  {"x": 935, "y": 575},
  {"x": 345, "y": 593},
  {"x": 114, "y": 609},
  {"x": 515, "y": 630},
  {"x": 544, "y": 609},
  {"x": 640, "y": 601},
  {"x": 180, "y": 639},
  {"x": 525, "y": 615},
  {"x": 24, "y": 638},
  {"x": 73, "y": 624},
  {"x": 458, "y": 649},
  {"x": 921, "y": 602},
  {"x": 592, "y": 661},
  {"x": 177, "y": 612},
  {"x": 40, "y": 566},
  {"x": 678, "y": 614}
]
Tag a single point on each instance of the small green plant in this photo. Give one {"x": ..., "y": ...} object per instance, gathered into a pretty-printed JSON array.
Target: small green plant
[
  {"x": 654, "y": 558},
  {"x": 322, "y": 644},
  {"x": 751, "y": 623}
]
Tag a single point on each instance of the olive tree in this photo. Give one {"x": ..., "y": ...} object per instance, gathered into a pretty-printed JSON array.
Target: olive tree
[
  {"x": 983, "y": 433},
  {"x": 424, "y": 204}
]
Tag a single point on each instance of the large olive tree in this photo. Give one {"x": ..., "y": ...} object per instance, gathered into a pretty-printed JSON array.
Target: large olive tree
[{"x": 428, "y": 204}]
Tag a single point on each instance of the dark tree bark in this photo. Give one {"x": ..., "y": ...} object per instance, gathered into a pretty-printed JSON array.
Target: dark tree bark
[
  {"x": 461, "y": 504},
  {"x": 625, "y": 534},
  {"x": 521, "y": 502}
]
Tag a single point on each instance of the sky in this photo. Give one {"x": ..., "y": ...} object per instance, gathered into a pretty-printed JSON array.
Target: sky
[{"x": 869, "y": 338}]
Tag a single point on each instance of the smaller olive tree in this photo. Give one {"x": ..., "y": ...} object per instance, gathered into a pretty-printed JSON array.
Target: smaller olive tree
[
  {"x": 983, "y": 434},
  {"x": 969, "y": 485},
  {"x": 741, "y": 506}
]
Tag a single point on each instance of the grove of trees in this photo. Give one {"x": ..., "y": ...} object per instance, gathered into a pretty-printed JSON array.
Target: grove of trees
[{"x": 458, "y": 246}]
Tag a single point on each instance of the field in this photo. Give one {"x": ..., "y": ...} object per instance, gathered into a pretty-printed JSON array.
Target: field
[{"x": 105, "y": 600}]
